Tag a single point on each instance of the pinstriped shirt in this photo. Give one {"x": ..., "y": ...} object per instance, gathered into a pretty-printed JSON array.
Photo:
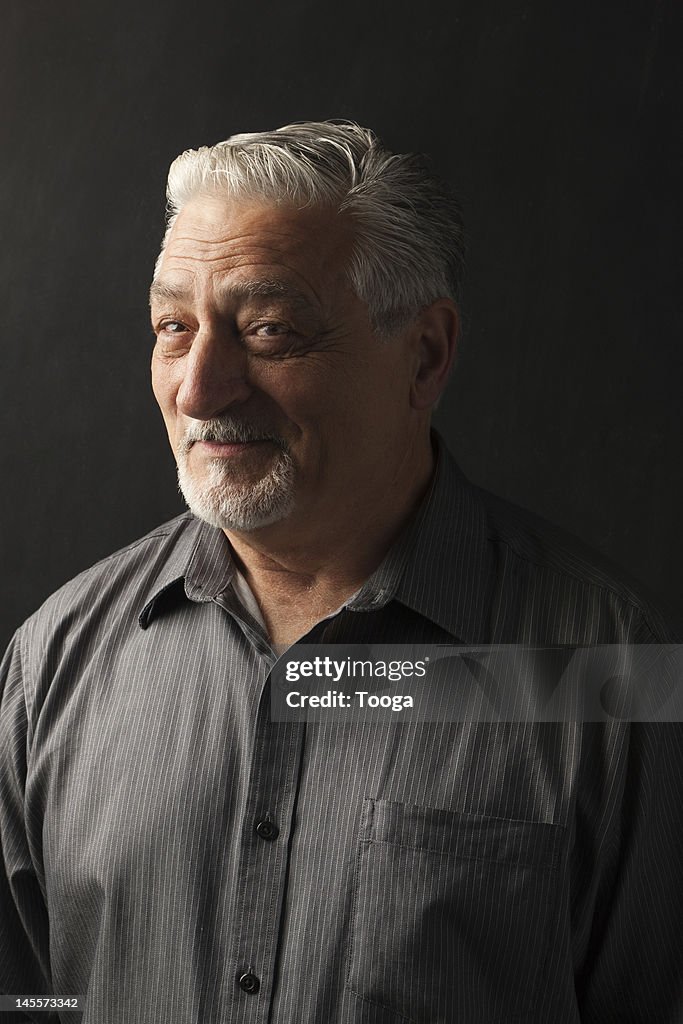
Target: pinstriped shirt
[{"x": 174, "y": 855}]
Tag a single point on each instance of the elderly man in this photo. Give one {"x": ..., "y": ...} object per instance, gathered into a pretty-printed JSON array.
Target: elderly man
[{"x": 172, "y": 853}]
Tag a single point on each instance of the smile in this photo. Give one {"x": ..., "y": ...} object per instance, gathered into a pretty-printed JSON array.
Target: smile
[{"x": 226, "y": 449}]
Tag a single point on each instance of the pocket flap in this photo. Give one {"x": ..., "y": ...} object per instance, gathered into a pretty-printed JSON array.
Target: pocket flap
[{"x": 471, "y": 836}]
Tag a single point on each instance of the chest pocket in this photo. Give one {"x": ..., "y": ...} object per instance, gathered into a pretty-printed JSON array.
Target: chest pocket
[{"x": 453, "y": 913}]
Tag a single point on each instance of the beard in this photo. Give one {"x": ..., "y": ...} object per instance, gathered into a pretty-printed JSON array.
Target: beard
[{"x": 220, "y": 495}]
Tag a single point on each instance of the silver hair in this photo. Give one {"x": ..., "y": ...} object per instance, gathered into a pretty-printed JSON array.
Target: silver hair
[{"x": 409, "y": 245}]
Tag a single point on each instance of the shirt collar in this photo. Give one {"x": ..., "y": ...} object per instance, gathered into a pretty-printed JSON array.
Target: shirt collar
[
  {"x": 452, "y": 572},
  {"x": 441, "y": 566},
  {"x": 198, "y": 565}
]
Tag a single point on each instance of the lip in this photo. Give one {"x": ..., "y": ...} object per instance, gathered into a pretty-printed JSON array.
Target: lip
[{"x": 225, "y": 450}]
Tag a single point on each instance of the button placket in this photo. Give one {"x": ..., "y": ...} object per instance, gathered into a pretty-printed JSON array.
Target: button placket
[{"x": 262, "y": 864}]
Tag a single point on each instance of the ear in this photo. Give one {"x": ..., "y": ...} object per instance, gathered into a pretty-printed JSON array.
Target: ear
[{"x": 435, "y": 343}]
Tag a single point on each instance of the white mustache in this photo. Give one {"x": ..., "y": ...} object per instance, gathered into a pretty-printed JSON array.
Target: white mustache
[{"x": 228, "y": 431}]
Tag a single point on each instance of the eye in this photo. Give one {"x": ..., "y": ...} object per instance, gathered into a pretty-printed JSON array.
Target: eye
[
  {"x": 172, "y": 327},
  {"x": 270, "y": 339},
  {"x": 269, "y": 330},
  {"x": 172, "y": 337}
]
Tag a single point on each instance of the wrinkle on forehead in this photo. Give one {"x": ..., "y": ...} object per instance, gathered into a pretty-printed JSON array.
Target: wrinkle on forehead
[
  {"x": 251, "y": 228},
  {"x": 213, "y": 236},
  {"x": 240, "y": 290}
]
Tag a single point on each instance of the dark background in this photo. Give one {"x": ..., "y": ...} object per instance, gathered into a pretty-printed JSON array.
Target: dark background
[{"x": 558, "y": 124}]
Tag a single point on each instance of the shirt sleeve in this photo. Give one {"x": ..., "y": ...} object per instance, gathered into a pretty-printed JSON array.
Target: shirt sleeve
[
  {"x": 24, "y": 928},
  {"x": 634, "y": 968}
]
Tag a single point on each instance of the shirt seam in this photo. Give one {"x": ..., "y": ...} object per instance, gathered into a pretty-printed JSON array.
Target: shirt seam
[
  {"x": 591, "y": 584},
  {"x": 453, "y": 853}
]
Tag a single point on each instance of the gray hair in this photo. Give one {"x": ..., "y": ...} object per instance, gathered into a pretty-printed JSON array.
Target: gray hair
[{"x": 409, "y": 240}]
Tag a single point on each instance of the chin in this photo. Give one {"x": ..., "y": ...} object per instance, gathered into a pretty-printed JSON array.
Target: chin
[{"x": 247, "y": 507}]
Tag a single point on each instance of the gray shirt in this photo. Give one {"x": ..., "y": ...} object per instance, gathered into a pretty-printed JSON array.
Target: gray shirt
[{"x": 174, "y": 855}]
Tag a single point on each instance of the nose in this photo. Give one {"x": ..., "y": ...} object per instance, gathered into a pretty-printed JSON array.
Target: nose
[{"x": 214, "y": 376}]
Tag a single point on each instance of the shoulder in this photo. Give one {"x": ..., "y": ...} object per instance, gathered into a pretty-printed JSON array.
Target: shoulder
[
  {"x": 83, "y": 629},
  {"x": 565, "y": 577},
  {"x": 117, "y": 584}
]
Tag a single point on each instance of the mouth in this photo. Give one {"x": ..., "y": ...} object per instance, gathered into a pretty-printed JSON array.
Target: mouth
[{"x": 226, "y": 449}]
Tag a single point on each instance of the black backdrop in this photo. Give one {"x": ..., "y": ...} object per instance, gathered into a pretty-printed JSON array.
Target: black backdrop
[{"x": 558, "y": 125}]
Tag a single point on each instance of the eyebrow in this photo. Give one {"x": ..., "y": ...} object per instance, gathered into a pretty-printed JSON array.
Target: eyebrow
[{"x": 262, "y": 288}]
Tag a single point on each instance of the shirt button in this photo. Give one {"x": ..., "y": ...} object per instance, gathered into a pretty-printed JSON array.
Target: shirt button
[
  {"x": 249, "y": 983},
  {"x": 267, "y": 830}
]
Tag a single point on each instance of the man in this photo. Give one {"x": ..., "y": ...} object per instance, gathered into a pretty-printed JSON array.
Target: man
[{"x": 171, "y": 852}]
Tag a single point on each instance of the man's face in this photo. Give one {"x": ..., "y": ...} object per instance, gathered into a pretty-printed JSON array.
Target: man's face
[{"x": 279, "y": 399}]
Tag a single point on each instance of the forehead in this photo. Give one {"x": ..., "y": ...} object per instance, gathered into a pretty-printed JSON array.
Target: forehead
[{"x": 214, "y": 238}]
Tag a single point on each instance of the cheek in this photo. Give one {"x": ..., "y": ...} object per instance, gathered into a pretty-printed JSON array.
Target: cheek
[
  {"x": 162, "y": 382},
  {"x": 304, "y": 396},
  {"x": 165, "y": 390},
  {"x": 339, "y": 402}
]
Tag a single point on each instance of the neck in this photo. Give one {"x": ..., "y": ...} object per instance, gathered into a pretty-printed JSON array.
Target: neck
[{"x": 304, "y": 568}]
